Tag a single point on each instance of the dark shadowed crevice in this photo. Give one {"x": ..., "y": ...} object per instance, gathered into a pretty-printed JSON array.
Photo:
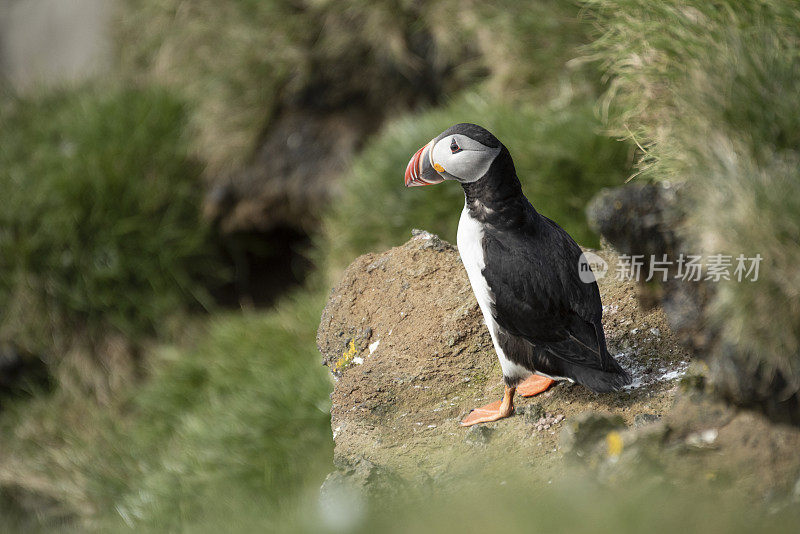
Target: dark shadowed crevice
[
  {"x": 319, "y": 124},
  {"x": 22, "y": 373},
  {"x": 27, "y": 510},
  {"x": 262, "y": 266}
]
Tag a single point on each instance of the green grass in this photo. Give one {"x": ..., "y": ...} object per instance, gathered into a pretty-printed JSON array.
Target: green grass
[
  {"x": 711, "y": 90},
  {"x": 573, "y": 502},
  {"x": 560, "y": 157},
  {"x": 100, "y": 231}
]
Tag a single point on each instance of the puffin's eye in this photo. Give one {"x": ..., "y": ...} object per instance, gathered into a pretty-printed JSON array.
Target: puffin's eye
[{"x": 454, "y": 146}]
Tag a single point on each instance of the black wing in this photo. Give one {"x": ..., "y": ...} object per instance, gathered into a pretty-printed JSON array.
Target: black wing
[{"x": 539, "y": 296}]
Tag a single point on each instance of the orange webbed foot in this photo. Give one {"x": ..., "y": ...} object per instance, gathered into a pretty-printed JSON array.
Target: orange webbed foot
[
  {"x": 534, "y": 385},
  {"x": 492, "y": 411}
]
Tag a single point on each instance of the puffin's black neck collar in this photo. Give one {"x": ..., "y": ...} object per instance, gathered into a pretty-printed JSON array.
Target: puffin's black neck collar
[{"x": 497, "y": 195}]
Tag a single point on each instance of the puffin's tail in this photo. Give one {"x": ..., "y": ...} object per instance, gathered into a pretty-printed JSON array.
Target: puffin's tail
[
  {"x": 602, "y": 381},
  {"x": 594, "y": 368},
  {"x": 609, "y": 377}
]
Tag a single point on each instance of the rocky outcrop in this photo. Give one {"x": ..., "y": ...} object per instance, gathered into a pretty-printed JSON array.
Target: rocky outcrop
[{"x": 403, "y": 335}]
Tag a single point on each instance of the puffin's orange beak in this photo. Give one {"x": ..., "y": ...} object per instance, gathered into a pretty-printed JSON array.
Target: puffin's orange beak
[{"x": 419, "y": 170}]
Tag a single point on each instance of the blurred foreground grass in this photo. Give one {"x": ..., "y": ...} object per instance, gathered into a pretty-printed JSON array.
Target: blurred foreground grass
[
  {"x": 237, "y": 414},
  {"x": 244, "y": 414},
  {"x": 574, "y": 503}
]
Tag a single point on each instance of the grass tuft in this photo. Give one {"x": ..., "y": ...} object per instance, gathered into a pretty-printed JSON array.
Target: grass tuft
[
  {"x": 100, "y": 232},
  {"x": 712, "y": 91}
]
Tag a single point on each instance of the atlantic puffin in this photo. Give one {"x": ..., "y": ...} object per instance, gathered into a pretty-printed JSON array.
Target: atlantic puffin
[{"x": 544, "y": 318}]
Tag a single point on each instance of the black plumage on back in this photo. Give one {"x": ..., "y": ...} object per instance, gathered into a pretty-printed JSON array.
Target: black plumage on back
[{"x": 549, "y": 320}]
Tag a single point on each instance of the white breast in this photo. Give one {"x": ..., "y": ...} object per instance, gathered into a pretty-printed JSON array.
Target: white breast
[{"x": 470, "y": 247}]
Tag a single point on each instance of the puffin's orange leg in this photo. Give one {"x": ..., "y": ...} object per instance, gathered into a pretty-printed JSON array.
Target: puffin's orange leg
[
  {"x": 492, "y": 412},
  {"x": 534, "y": 385}
]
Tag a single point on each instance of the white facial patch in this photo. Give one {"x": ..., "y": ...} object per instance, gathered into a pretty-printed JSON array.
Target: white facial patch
[{"x": 467, "y": 164}]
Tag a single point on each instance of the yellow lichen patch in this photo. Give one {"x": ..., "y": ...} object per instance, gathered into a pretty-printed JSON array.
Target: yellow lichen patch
[
  {"x": 614, "y": 444},
  {"x": 347, "y": 356}
]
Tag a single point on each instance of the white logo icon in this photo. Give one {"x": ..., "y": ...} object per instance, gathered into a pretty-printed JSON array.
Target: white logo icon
[{"x": 591, "y": 267}]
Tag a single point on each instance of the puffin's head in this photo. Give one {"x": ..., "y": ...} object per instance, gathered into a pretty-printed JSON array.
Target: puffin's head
[{"x": 463, "y": 152}]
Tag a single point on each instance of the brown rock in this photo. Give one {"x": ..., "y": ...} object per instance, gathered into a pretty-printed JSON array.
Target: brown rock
[{"x": 403, "y": 335}]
